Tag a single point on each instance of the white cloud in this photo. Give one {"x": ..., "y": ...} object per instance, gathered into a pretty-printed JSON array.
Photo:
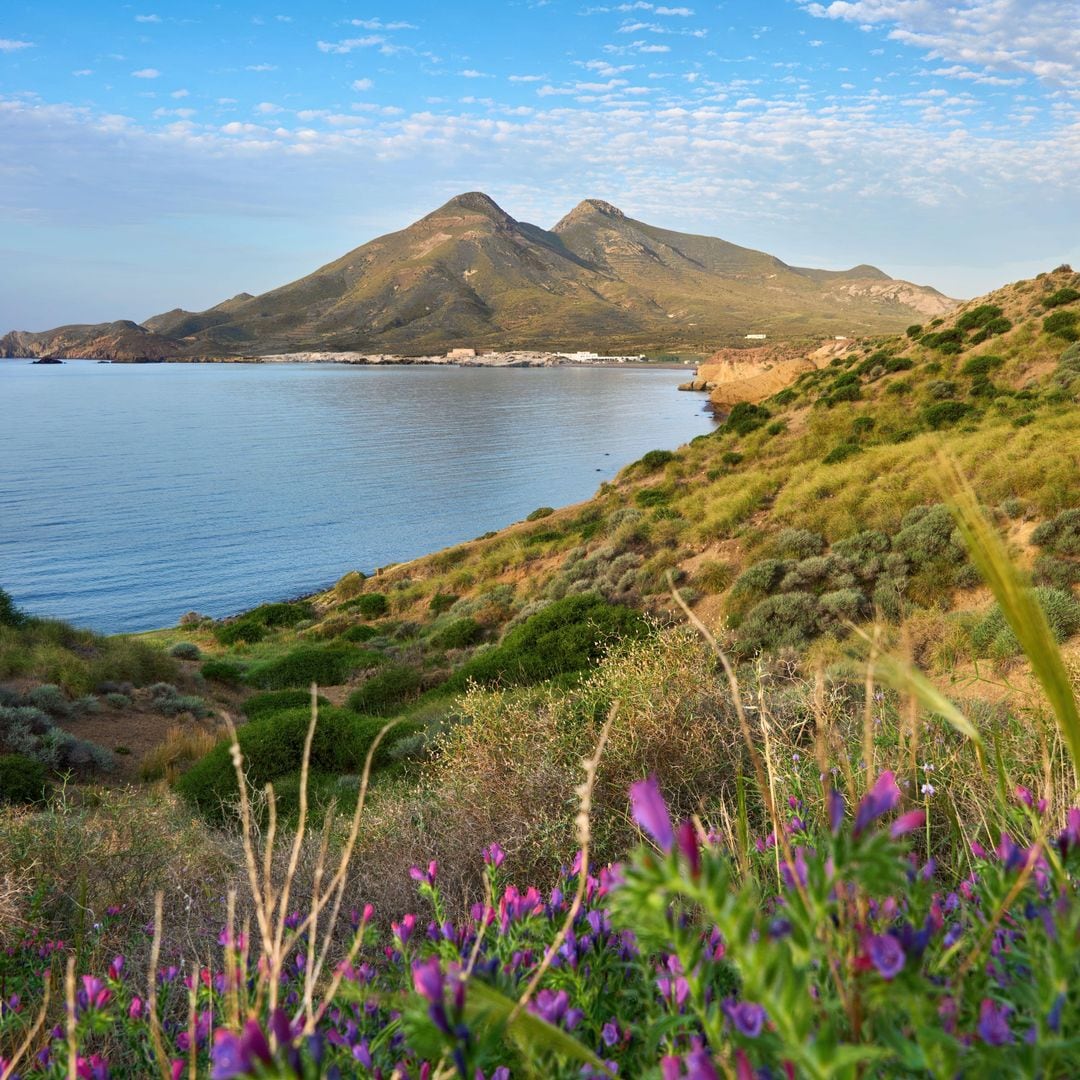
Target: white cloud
[
  {"x": 7, "y": 45},
  {"x": 525, "y": 78},
  {"x": 1039, "y": 38},
  {"x": 361, "y": 84},
  {"x": 378, "y": 24},
  {"x": 82, "y": 72},
  {"x": 261, "y": 67},
  {"x": 148, "y": 18},
  {"x": 146, "y": 73},
  {"x": 347, "y": 46},
  {"x": 268, "y": 108},
  {"x": 180, "y": 94},
  {"x": 472, "y": 73}
]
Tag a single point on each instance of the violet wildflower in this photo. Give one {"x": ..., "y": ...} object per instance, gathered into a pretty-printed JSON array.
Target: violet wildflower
[
  {"x": 835, "y": 803},
  {"x": 909, "y": 822},
  {"x": 993, "y": 1026},
  {"x": 610, "y": 1034},
  {"x": 425, "y": 877},
  {"x": 886, "y": 954},
  {"x": 747, "y": 1016},
  {"x": 880, "y": 799},
  {"x": 687, "y": 838},
  {"x": 428, "y": 979},
  {"x": 651, "y": 813},
  {"x": 494, "y": 855}
]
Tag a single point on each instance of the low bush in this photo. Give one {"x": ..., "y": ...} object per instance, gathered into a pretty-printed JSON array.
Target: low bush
[
  {"x": 992, "y": 636},
  {"x": 272, "y": 701},
  {"x": 656, "y": 459},
  {"x": 654, "y": 496},
  {"x": 246, "y": 631},
  {"x": 22, "y": 780},
  {"x": 841, "y": 452},
  {"x": 384, "y": 693},
  {"x": 746, "y": 417},
  {"x": 1061, "y": 534},
  {"x": 10, "y": 615},
  {"x": 945, "y": 414},
  {"x": 50, "y": 699},
  {"x": 281, "y": 614},
  {"x": 714, "y": 576},
  {"x": 540, "y": 512},
  {"x": 797, "y": 544},
  {"x": 787, "y": 619},
  {"x": 371, "y": 605},
  {"x": 459, "y": 634},
  {"x": 565, "y": 637},
  {"x": 1065, "y": 295},
  {"x": 1056, "y": 572},
  {"x": 327, "y": 665},
  {"x": 442, "y": 602},
  {"x": 1062, "y": 324},
  {"x": 359, "y": 633},
  {"x": 185, "y": 650},
  {"x": 981, "y": 365},
  {"x": 978, "y": 317},
  {"x": 230, "y": 672},
  {"x": 273, "y": 747}
]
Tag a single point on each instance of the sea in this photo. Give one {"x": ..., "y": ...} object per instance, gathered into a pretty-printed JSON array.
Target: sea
[{"x": 133, "y": 493}]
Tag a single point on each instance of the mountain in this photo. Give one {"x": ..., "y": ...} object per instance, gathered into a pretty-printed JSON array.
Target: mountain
[{"x": 469, "y": 274}]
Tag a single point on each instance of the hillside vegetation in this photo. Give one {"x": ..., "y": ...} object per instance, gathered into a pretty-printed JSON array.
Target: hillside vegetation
[{"x": 862, "y": 839}]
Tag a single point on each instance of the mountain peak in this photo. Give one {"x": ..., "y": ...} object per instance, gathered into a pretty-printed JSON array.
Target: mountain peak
[
  {"x": 589, "y": 210},
  {"x": 474, "y": 202}
]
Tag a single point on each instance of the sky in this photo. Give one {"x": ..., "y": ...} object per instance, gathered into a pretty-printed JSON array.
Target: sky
[{"x": 172, "y": 154}]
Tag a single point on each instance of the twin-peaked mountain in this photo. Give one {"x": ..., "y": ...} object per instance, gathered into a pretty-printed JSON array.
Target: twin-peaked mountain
[{"x": 468, "y": 274}]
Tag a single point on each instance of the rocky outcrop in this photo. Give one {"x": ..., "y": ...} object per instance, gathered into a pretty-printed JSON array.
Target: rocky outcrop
[{"x": 120, "y": 341}]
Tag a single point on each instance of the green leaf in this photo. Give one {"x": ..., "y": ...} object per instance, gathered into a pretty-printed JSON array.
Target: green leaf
[{"x": 486, "y": 1005}]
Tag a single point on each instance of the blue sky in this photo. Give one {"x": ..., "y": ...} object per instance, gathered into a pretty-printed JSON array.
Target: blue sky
[{"x": 166, "y": 154}]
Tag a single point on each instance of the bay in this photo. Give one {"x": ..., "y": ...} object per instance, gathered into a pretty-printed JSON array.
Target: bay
[{"x": 130, "y": 494}]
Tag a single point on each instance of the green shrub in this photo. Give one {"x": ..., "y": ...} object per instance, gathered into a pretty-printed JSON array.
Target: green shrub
[
  {"x": 981, "y": 365},
  {"x": 841, "y": 452},
  {"x": 1063, "y": 325},
  {"x": 862, "y": 547},
  {"x": 541, "y": 512},
  {"x": 656, "y": 459},
  {"x": 328, "y": 665},
  {"x": 818, "y": 574},
  {"x": 940, "y": 389},
  {"x": 992, "y": 636},
  {"x": 118, "y": 700},
  {"x": 654, "y": 496},
  {"x": 459, "y": 634},
  {"x": 230, "y": 672},
  {"x": 22, "y": 780},
  {"x": 946, "y": 341},
  {"x": 788, "y": 619},
  {"x": 49, "y": 698},
  {"x": 1065, "y": 295},
  {"x": 731, "y": 457},
  {"x": 441, "y": 602},
  {"x": 384, "y": 693},
  {"x": 759, "y": 579},
  {"x": 542, "y": 536},
  {"x": 273, "y": 747},
  {"x": 350, "y": 585},
  {"x": 1056, "y": 572},
  {"x": 798, "y": 544},
  {"x": 1060, "y": 535},
  {"x": 272, "y": 701},
  {"x": 914, "y": 331},
  {"x": 928, "y": 533},
  {"x": 371, "y": 605},
  {"x": 945, "y": 413},
  {"x": 282, "y": 614},
  {"x": 360, "y": 633},
  {"x": 843, "y": 606},
  {"x": 746, "y": 417},
  {"x": 978, "y": 317},
  {"x": 848, "y": 392},
  {"x": 125, "y": 659},
  {"x": 240, "y": 630},
  {"x": 10, "y": 615},
  {"x": 185, "y": 650},
  {"x": 785, "y": 397},
  {"x": 714, "y": 576},
  {"x": 564, "y": 637}
]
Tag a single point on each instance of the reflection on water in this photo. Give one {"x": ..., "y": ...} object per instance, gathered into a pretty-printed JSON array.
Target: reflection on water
[{"x": 130, "y": 494}]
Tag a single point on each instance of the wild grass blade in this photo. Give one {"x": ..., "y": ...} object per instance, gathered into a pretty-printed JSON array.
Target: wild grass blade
[{"x": 1018, "y": 604}]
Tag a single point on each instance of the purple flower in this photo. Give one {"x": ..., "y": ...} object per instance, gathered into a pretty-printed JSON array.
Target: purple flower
[
  {"x": 95, "y": 994},
  {"x": 228, "y": 1058},
  {"x": 880, "y": 799},
  {"x": 494, "y": 855},
  {"x": 428, "y": 979},
  {"x": 687, "y": 838},
  {"x": 909, "y": 822},
  {"x": 747, "y": 1016},
  {"x": 886, "y": 954},
  {"x": 404, "y": 930},
  {"x": 651, "y": 813},
  {"x": 699, "y": 1065},
  {"x": 836, "y": 810},
  {"x": 551, "y": 1005},
  {"x": 993, "y": 1026},
  {"x": 425, "y": 877},
  {"x": 610, "y": 1034}
]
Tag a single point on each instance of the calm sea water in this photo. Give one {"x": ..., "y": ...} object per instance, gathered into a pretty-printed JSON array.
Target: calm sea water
[{"x": 130, "y": 494}]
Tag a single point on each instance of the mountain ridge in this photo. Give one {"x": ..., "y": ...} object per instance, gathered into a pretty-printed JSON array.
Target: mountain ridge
[{"x": 468, "y": 273}]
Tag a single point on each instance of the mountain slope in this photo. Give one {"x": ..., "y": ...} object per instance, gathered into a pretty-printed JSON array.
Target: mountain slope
[{"x": 469, "y": 274}]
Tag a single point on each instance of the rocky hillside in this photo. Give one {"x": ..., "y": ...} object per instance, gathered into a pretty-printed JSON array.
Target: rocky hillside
[
  {"x": 122, "y": 340},
  {"x": 468, "y": 274}
]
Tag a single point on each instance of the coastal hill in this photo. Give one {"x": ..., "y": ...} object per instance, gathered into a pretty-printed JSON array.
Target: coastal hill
[{"x": 470, "y": 274}]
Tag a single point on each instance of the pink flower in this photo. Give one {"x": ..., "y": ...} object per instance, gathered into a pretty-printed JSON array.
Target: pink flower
[{"x": 651, "y": 813}]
